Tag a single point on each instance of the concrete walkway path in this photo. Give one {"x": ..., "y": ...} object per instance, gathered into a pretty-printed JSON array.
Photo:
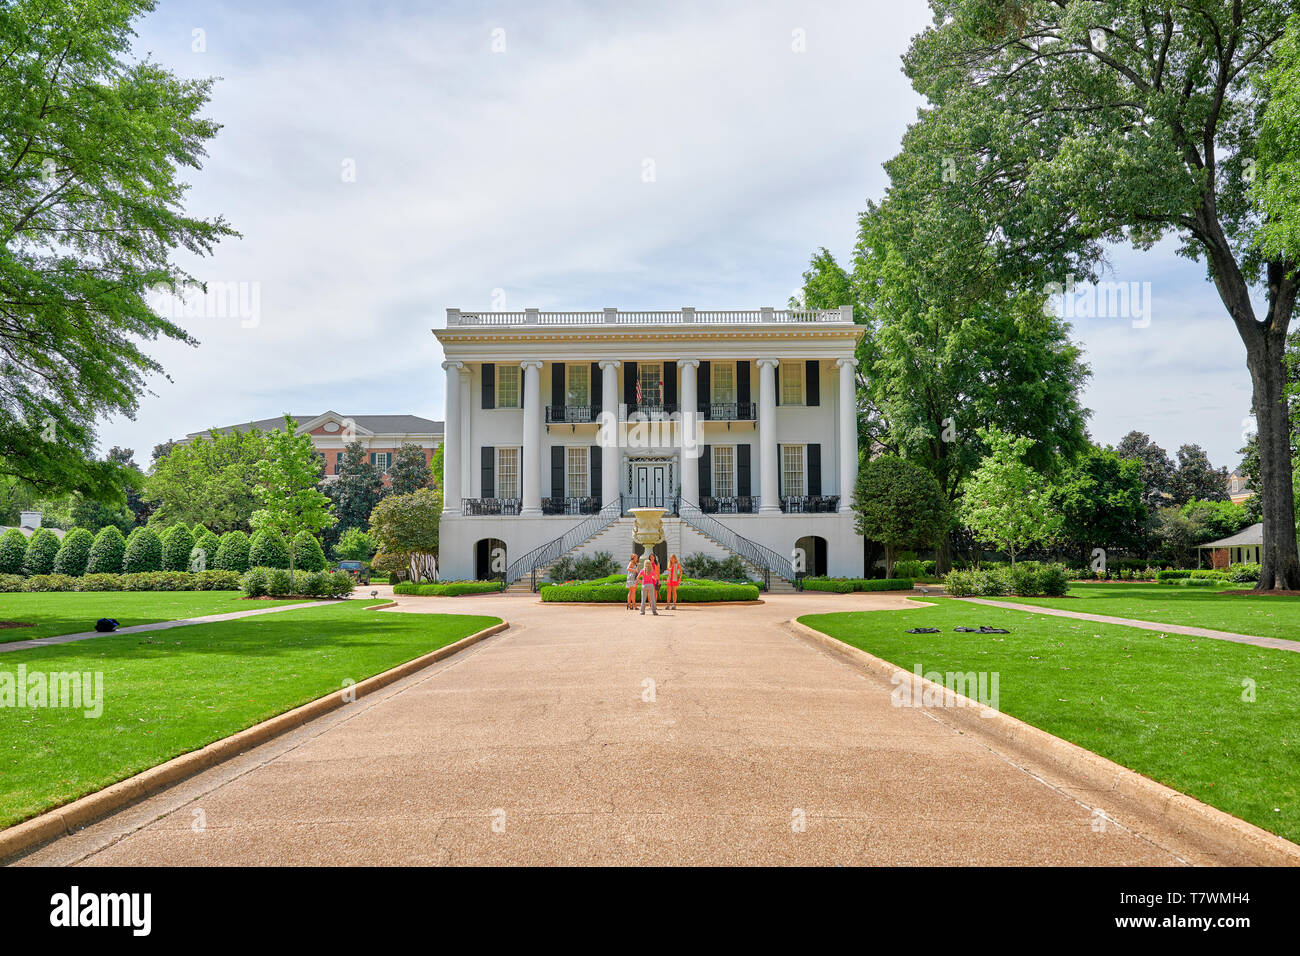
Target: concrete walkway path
[
  {"x": 1279, "y": 643},
  {"x": 593, "y": 735},
  {"x": 155, "y": 626}
]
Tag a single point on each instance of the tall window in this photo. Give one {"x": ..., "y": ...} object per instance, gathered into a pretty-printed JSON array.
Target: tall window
[
  {"x": 507, "y": 472},
  {"x": 724, "y": 470},
  {"x": 722, "y": 376},
  {"x": 792, "y": 470},
  {"x": 579, "y": 391},
  {"x": 507, "y": 386},
  {"x": 792, "y": 383},
  {"x": 651, "y": 375},
  {"x": 578, "y": 471},
  {"x": 338, "y": 462},
  {"x": 383, "y": 459}
]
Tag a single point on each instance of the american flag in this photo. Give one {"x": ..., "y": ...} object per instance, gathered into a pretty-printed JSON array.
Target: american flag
[{"x": 638, "y": 391}]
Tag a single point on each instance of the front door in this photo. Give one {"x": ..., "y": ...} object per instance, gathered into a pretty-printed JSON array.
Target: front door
[{"x": 650, "y": 484}]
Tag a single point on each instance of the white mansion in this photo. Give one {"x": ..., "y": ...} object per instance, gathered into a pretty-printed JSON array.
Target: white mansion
[{"x": 742, "y": 424}]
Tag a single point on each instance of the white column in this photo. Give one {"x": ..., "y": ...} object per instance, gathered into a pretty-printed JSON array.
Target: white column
[
  {"x": 466, "y": 451},
  {"x": 769, "y": 490},
  {"x": 690, "y": 435},
  {"x": 451, "y": 441},
  {"x": 532, "y": 439},
  {"x": 848, "y": 432},
  {"x": 609, "y": 456}
]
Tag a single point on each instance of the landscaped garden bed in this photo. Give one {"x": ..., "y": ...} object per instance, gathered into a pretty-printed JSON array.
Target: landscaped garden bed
[
  {"x": 448, "y": 588},
  {"x": 849, "y": 585},
  {"x": 1211, "y": 718},
  {"x": 613, "y": 589}
]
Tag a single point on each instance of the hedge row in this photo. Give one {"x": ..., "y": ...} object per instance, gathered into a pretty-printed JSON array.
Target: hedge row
[
  {"x": 690, "y": 591},
  {"x": 1027, "y": 579},
  {"x": 448, "y": 588},
  {"x": 141, "y": 581},
  {"x": 848, "y": 585},
  {"x": 277, "y": 582}
]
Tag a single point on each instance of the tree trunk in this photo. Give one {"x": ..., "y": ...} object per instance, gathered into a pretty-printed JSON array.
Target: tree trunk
[
  {"x": 889, "y": 560},
  {"x": 1279, "y": 565},
  {"x": 943, "y": 556}
]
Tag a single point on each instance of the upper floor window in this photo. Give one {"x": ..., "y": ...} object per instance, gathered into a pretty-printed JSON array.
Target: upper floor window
[
  {"x": 579, "y": 385},
  {"x": 507, "y": 476},
  {"x": 724, "y": 470},
  {"x": 792, "y": 383},
  {"x": 651, "y": 376},
  {"x": 508, "y": 386},
  {"x": 382, "y": 459},
  {"x": 792, "y": 470},
  {"x": 338, "y": 462},
  {"x": 722, "y": 381}
]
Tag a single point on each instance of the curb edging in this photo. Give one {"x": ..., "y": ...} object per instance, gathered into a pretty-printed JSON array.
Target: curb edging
[
  {"x": 1257, "y": 845},
  {"x": 70, "y": 817}
]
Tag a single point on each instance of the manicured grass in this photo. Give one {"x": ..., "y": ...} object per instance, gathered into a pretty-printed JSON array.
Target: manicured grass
[
  {"x": 1260, "y": 616},
  {"x": 1167, "y": 706},
  {"x": 169, "y": 692},
  {"x": 70, "y": 612}
]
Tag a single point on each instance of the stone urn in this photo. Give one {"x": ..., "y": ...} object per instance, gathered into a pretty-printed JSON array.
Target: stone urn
[{"x": 649, "y": 529}]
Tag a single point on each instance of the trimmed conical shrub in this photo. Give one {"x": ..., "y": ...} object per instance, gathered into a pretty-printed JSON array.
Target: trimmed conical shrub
[
  {"x": 74, "y": 553},
  {"x": 143, "y": 552},
  {"x": 13, "y": 551},
  {"x": 307, "y": 552},
  {"x": 107, "y": 552},
  {"x": 232, "y": 554},
  {"x": 176, "y": 547},
  {"x": 203, "y": 556},
  {"x": 268, "y": 550},
  {"x": 42, "y": 546}
]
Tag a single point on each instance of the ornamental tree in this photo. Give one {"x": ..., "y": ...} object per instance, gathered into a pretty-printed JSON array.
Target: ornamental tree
[
  {"x": 143, "y": 551},
  {"x": 287, "y": 480},
  {"x": 233, "y": 552},
  {"x": 13, "y": 551},
  {"x": 177, "y": 543},
  {"x": 407, "y": 526},
  {"x": 899, "y": 504},
  {"x": 1007, "y": 504}
]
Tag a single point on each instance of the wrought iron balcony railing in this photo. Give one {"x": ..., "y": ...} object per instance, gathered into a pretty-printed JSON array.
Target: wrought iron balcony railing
[
  {"x": 586, "y": 505},
  {"x": 570, "y": 414},
  {"x": 809, "y": 504},
  {"x": 728, "y": 411},
  {"x": 489, "y": 506}
]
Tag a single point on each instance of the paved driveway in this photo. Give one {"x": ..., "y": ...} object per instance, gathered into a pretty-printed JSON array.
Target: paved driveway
[{"x": 594, "y": 735}]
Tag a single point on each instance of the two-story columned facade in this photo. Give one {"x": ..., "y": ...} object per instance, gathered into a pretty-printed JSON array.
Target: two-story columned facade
[{"x": 557, "y": 421}]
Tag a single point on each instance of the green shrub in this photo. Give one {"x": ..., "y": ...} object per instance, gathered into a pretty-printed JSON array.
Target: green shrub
[
  {"x": 74, "y": 553},
  {"x": 307, "y": 552},
  {"x": 143, "y": 552},
  {"x": 50, "y": 582},
  {"x": 158, "y": 581},
  {"x": 449, "y": 588},
  {"x": 42, "y": 546},
  {"x": 704, "y": 567},
  {"x": 177, "y": 544},
  {"x": 1243, "y": 573},
  {"x": 961, "y": 584},
  {"x": 255, "y": 582},
  {"x": 1167, "y": 575},
  {"x": 848, "y": 585},
  {"x": 214, "y": 580},
  {"x": 341, "y": 584},
  {"x": 1022, "y": 579},
  {"x": 1053, "y": 580},
  {"x": 100, "y": 582},
  {"x": 279, "y": 582},
  {"x": 354, "y": 545},
  {"x": 268, "y": 550},
  {"x": 599, "y": 565},
  {"x": 203, "y": 556},
  {"x": 11, "y": 582},
  {"x": 108, "y": 551},
  {"x": 911, "y": 568},
  {"x": 314, "y": 584},
  {"x": 232, "y": 552},
  {"x": 13, "y": 551},
  {"x": 1198, "y": 582}
]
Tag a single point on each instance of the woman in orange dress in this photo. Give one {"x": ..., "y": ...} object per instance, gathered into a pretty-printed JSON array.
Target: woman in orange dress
[{"x": 674, "y": 578}]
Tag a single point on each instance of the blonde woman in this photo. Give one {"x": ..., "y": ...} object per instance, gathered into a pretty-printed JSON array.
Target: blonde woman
[
  {"x": 674, "y": 579},
  {"x": 631, "y": 582}
]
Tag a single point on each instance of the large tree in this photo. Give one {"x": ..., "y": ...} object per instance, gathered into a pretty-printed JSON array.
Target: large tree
[
  {"x": 900, "y": 505},
  {"x": 91, "y": 211},
  {"x": 1074, "y": 125},
  {"x": 209, "y": 481},
  {"x": 287, "y": 487},
  {"x": 357, "y": 487},
  {"x": 1099, "y": 498},
  {"x": 1155, "y": 468},
  {"x": 1196, "y": 478},
  {"x": 410, "y": 470}
]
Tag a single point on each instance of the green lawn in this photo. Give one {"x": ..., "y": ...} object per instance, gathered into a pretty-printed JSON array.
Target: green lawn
[
  {"x": 169, "y": 692},
  {"x": 1262, "y": 616},
  {"x": 1169, "y": 707},
  {"x": 70, "y": 612}
]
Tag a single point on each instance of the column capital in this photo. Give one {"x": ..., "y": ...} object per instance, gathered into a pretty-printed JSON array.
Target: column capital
[
  {"x": 768, "y": 362},
  {"x": 531, "y": 363},
  {"x": 610, "y": 363},
  {"x": 851, "y": 362},
  {"x": 688, "y": 363},
  {"x": 449, "y": 365}
]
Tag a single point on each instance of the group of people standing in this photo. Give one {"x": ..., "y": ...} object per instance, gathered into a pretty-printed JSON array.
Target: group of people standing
[{"x": 645, "y": 572}]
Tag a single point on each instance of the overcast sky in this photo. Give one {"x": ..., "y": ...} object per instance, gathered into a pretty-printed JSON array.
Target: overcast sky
[{"x": 385, "y": 161}]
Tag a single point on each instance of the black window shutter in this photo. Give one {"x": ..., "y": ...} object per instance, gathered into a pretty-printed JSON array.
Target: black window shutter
[
  {"x": 596, "y": 479},
  {"x": 814, "y": 469},
  {"x": 704, "y": 385},
  {"x": 776, "y": 374},
  {"x": 780, "y": 479},
  {"x": 372, "y": 458},
  {"x": 629, "y": 383},
  {"x": 670, "y": 383},
  {"x": 812, "y": 383},
  {"x": 706, "y": 472},
  {"x": 742, "y": 470},
  {"x": 557, "y": 471},
  {"x": 488, "y": 457},
  {"x": 559, "y": 394},
  {"x": 742, "y": 381},
  {"x": 597, "y": 387},
  {"x": 489, "y": 388}
]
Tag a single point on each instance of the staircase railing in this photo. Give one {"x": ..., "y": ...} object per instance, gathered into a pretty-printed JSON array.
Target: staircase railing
[
  {"x": 541, "y": 556},
  {"x": 771, "y": 562}
]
